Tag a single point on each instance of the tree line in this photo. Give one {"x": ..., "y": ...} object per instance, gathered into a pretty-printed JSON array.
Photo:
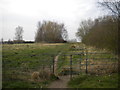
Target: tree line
[
  {"x": 100, "y": 33},
  {"x": 47, "y": 31},
  {"x": 103, "y": 32}
]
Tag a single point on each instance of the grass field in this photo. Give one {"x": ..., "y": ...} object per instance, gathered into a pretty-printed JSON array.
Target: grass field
[{"x": 20, "y": 60}]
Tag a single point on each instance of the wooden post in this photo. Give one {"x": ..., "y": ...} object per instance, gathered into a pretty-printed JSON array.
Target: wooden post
[{"x": 70, "y": 66}]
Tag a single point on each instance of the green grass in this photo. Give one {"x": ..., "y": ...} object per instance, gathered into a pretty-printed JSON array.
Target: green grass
[
  {"x": 92, "y": 81},
  {"x": 25, "y": 84},
  {"x": 20, "y": 60}
]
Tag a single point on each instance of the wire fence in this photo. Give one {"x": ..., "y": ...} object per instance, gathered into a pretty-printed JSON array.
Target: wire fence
[{"x": 70, "y": 63}]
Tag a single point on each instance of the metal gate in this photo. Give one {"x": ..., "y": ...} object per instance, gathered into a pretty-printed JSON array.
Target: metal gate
[{"x": 86, "y": 62}]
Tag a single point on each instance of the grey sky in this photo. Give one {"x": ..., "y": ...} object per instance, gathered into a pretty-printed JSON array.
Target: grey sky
[{"x": 27, "y": 13}]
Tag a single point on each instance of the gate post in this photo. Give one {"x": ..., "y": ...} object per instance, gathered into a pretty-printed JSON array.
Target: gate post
[
  {"x": 80, "y": 63},
  {"x": 70, "y": 66},
  {"x": 86, "y": 61}
]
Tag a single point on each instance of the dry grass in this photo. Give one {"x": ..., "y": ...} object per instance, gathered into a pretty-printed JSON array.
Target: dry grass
[
  {"x": 49, "y": 44},
  {"x": 35, "y": 76},
  {"x": 42, "y": 75},
  {"x": 101, "y": 67},
  {"x": 93, "y": 68}
]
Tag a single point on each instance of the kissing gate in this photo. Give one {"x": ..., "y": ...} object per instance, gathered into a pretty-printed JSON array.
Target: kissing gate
[{"x": 83, "y": 61}]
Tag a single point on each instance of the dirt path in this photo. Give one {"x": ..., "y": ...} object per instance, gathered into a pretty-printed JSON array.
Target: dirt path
[
  {"x": 56, "y": 61},
  {"x": 63, "y": 80},
  {"x": 61, "y": 83}
]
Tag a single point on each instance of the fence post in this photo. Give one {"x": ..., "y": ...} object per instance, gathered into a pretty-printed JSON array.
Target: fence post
[
  {"x": 86, "y": 61},
  {"x": 64, "y": 56},
  {"x": 70, "y": 66},
  {"x": 50, "y": 68},
  {"x": 80, "y": 62}
]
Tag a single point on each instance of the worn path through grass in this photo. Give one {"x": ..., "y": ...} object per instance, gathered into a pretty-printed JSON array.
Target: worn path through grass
[{"x": 62, "y": 81}]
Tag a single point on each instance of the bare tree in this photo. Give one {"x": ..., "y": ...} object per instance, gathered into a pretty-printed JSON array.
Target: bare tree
[
  {"x": 49, "y": 31},
  {"x": 84, "y": 28},
  {"x": 39, "y": 33},
  {"x": 111, "y": 5},
  {"x": 19, "y": 33},
  {"x": 114, "y": 7}
]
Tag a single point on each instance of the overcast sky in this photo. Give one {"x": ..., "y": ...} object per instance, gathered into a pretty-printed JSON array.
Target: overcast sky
[{"x": 27, "y": 13}]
